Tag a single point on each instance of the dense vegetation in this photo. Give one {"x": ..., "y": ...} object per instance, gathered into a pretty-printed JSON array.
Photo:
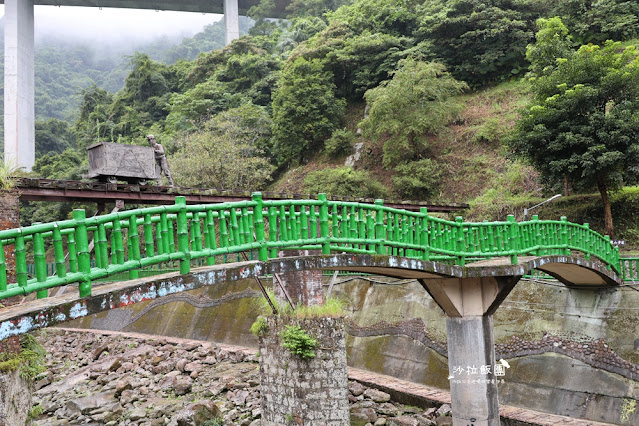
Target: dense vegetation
[{"x": 444, "y": 81}]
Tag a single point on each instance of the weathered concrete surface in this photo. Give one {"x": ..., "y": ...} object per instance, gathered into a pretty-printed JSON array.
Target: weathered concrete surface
[
  {"x": 471, "y": 364},
  {"x": 15, "y": 398},
  {"x": 307, "y": 392},
  {"x": 53, "y": 310}
]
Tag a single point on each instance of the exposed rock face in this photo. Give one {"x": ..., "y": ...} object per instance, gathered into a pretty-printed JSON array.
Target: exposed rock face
[
  {"x": 226, "y": 388},
  {"x": 15, "y": 398}
]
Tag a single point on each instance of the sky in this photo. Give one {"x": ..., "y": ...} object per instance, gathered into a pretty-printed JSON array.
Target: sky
[{"x": 110, "y": 25}]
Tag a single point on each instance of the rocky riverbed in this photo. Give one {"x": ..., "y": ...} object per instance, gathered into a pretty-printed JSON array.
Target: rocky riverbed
[{"x": 133, "y": 380}]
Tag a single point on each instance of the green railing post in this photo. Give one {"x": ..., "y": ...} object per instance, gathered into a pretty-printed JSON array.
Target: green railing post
[
  {"x": 58, "y": 252},
  {"x": 183, "y": 235},
  {"x": 272, "y": 230},
  {"x": 424, "y": 240},
  {"x": 149, "y": 250},
  {"x": 21, "y": 260},
  {"x": 116, "y": 242},
  {"x": 564, "y": 235},
  {"x": 3, "y": 269},
  {"x": 102, "y": 251},
  {"x": 587, "y": 242},
  {"x": 258, "y": 226},
  {"x": 40, "y": 262},
  {"x": 210, "y": 225},
  {"x": 459, "y": 241},
  {"x": 380, "y": 230},
  {"x": 323, "y": 219},
  {"x": 196, "y": 233},
  {"x": 84, "y": 257},
  {"x": 513, "y": 238},
  {"x": 164, "y": 225},
  {"x": 134, "y": 246},
  {"x": 313, "y": 221}
]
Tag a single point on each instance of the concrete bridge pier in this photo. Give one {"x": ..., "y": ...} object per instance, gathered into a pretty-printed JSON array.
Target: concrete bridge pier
[
  {"x": 19, "y": 83},
  {"x": 231, "y": 20},
  {"x": 469, "y": 304}
]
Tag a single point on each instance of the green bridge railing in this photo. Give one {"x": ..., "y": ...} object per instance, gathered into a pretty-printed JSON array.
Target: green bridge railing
[{"x": 130, "y": 241}]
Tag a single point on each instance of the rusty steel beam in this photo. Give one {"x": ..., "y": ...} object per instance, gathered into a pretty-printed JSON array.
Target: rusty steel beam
[{"x": 86, "y": 191}]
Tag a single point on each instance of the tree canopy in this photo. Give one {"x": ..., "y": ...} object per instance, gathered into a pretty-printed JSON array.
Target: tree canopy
[{"x": 584, "y": 121}]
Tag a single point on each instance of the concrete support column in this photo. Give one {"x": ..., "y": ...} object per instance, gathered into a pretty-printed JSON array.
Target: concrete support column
[
  {"x": 19, "y": 110},
  {"x": 471, "y": 363},
  {"x": 231, "y": 20},
  {"x": 303, "y": 286},
  {"x": 469, "y": 304}
]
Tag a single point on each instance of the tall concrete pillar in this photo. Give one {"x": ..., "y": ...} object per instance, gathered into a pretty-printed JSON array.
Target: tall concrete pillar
[
  {"x": 469, "y": 304},
  {"x": 471, "y": 365},
  {"x": 19, "y": 110},
  {"x": 231, "y": 20}
]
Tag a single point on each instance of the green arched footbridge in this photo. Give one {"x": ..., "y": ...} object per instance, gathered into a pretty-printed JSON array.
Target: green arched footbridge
[{"x": 135, "y": 240}]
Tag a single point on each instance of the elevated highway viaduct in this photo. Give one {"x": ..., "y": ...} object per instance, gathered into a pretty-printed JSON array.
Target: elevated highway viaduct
[{"x": 19, "y": 76}]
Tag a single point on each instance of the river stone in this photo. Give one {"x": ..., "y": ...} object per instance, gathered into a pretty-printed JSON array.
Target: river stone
[
  {"x": 444, "y": 421},
  {"x": 376, "y": 395},
  {"x": 403, "y": 421},
  {"x": 388, "y": 409},
  {"x": 365, "y": 415},
  {"x": 89, "y": 403},
  {"x": 444, "y": 410},
  {"x": 356, "y": 388},
  {"x": 197, "y": 414},
  {"x": 137, "y": 414}
]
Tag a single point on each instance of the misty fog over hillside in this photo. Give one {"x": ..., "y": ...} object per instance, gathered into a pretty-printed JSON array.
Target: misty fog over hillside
[{"x": 80, "y": 47}]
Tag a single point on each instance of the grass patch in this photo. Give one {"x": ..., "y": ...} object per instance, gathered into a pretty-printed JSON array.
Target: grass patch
[{"x": 332, "y": 307}]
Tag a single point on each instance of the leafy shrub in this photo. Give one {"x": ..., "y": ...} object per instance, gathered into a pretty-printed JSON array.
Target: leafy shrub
[
  {"x": 305, "y": 109},
  {"x": 419, "y": 100},
  {"x": 30, "y": 360},
  {"x": 417, "y": 180},
  {"x": 340, "y": 143},
  {"x": 259, "y": 327},
  {"x": 490, "y": 131},
  {"x": 298, "y": 342},
  {"x": 344, "y": 181}
]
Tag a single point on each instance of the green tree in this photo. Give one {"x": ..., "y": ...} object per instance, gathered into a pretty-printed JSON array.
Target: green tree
[
  {"x": 595, "y": 21},
  {"x": 480, "y": 42},
  {"x": 552, "y": 43},
  {"x": 305, "y": 109},
  {"x": 584, "y": 120},
  {"x": 228, "y": 152},
  {"x": 418, "y": 100},
  {"x": 53, "y": 136}
]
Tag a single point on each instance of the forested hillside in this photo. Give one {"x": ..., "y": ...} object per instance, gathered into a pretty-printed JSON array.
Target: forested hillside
[{"x": 457, "y": 93}]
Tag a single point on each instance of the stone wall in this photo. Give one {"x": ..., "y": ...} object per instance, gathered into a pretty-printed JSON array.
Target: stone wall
[
  {"x": 304, "y": 392},
  {"x": 15, "y": 398},
  {"x": 9, "y": 219}
]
